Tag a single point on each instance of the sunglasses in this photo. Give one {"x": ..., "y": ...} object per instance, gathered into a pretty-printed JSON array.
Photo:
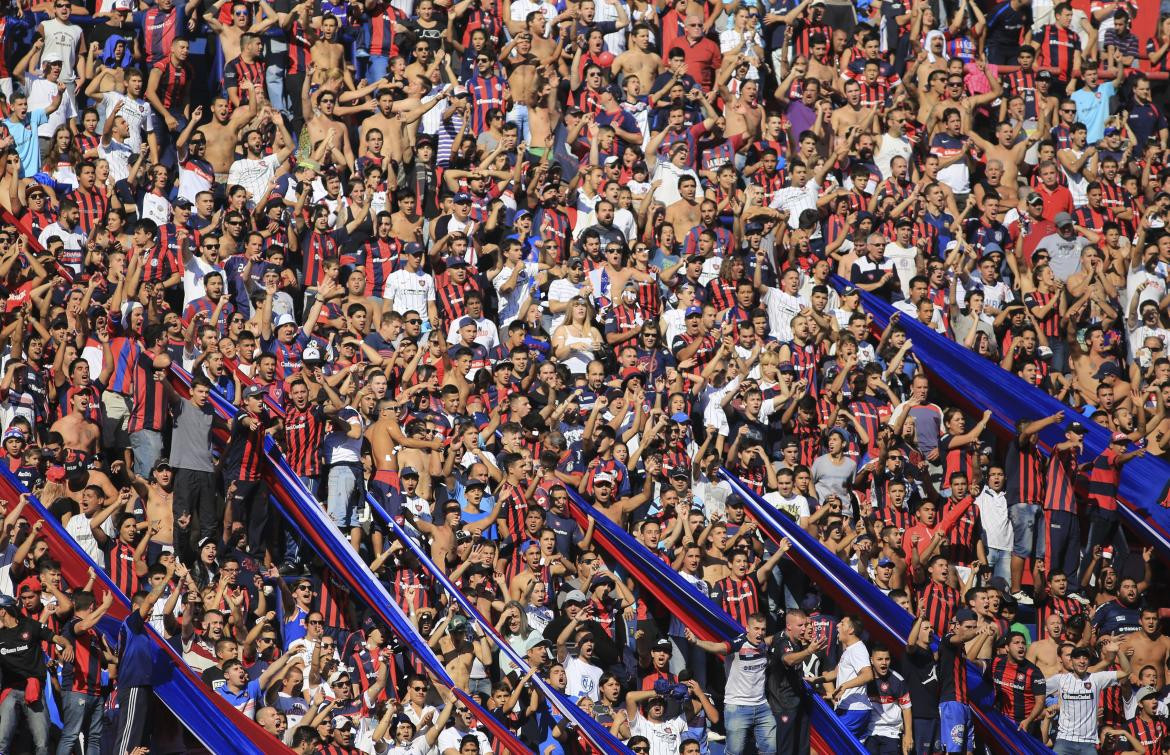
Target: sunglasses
[{"x": 315, "y": 622}]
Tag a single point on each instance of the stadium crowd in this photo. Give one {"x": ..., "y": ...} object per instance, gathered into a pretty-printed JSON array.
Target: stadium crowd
[{"x": 469, "y": 257}]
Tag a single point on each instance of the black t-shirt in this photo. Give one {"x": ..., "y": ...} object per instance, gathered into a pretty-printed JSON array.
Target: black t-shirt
[
  {"x": 21, "y": 656},
  {"x": 785, "y": 684},
  {"x": 921, "y": 673}
]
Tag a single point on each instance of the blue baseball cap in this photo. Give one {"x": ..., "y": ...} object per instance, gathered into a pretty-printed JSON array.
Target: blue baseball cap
[
  {"x": 693, "y": 311},
  {"x": 462, "y": 198}
]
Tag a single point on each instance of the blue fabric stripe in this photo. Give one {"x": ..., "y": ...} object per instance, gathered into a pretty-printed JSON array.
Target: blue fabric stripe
[
  {"x": 984, "y": 385},
  {"x": 882, "y": 613}
]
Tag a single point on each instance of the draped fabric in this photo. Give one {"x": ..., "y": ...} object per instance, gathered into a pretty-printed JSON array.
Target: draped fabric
[
  {"x": 885, "y": 618},
  {"x": 209, "y": 717},
  {"x": 695, "y": 610},
  {"x": 598, "y": 734},
  {"x": 978, "y": 384},
  {"x": 305, "y": 514}
]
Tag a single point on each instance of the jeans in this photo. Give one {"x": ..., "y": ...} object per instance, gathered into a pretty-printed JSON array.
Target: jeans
[
  {"x": 1027, "y": 530},
  {"x": 35, "y": 716},
  {"x": 76, "y": 709},
  {"x": 292, "y": 540},
  {"x": 1065, "y": 747},
  {"x": 757, "y": 719},
  {"x": 147, "y": 446},
  {"x": 1000, "y": 561},
  {"x": 343, "y": 489},
  {"x": 1104, "y": 529},
  {"x": 274, "y": 83},
  {"x": 519, "y": 115},
  {"x": 688, "y": 656},
  {"x": 377, "y": 67}
]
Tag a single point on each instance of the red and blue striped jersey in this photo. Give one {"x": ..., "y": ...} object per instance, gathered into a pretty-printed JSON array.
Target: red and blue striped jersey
[
  {"x": 159, "y": 29},
  {"x": 739, "y": 597},
  {"x": 317, "y": 247},
  {"x": 84, "y": 674},
  {"x": 1059, "y": 494},
  {"x": 126, "y": 352},
  {"x": 174, "y": 83},
  {"x": 304, "y": 431},
  {"x": 1151, "y": 734},
  {"x": 149, "y": 407},
  {"x": 487, "y": 92},
  {"x": 956, "y": 458},
  {"x": 380, "y": 26},
  {"x": 1056, "y": 48},
  {"x": 120, "y": 562},
  {"x": 93, "y": 205},
  {"x": 1104, "y": 477},
  {"x": 379, "y": 258}
]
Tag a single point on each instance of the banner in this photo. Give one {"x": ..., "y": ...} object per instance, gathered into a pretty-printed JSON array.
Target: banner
[
  {"x": 981, "y": 384},
  {"x": 597, "y": 733},
  {"x": 306, "y": 514},
  {"x": 208, "y": 716},
  {"x": 699, "y": 613},
  {"x": 891, "y": 622}
]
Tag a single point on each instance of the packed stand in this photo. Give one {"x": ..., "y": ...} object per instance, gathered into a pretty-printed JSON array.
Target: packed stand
[{"x": 474, "y": 259}]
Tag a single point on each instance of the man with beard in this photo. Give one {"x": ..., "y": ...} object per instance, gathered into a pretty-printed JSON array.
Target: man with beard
[
  {"x": 791, "y": 657},
  {"x": 255, "y": 170},
  {"x": 1019, "y": 683},
  {"x": 1122, "y": 616}
]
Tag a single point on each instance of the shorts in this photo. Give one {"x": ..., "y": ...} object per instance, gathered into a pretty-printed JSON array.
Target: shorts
[
  {"x": 926, "y": 741},
  {"x": 116, "y": 420},
  {"x": 856, "y": 720},
  {"x": 1028, "y": 534},
  {"x": 958, "y": 735}
]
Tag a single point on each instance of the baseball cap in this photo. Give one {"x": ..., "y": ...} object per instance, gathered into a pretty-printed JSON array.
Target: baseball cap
[
  {"x": 1062, "y": 219},
  {"x": 412, "y": 249},
  {"x": 733, "y": 501},
  {"x": 466, "y": 322},
  {"x": 285, "y": 319},
  {"x": 1145, "y": 692},
  {"x": 694, "y": 311},
  {"x": 123, "y": 5},
  {"x": 1111, "y": 131},
  {"x": 1077, "y": 428},
  {"x": 161, "y": 464},
  {"x": 964, "y": 614},
  {"x": 408, "y": 472},
  {"x": 461, "y": 198},
  {"x": 1044, "y": 76},
  {"x": 254, "y": 391},
  {"x": 753, "y": 227},
  {"x": 603, "y": 477},
  {"x": 611, "y": 160},
  {"x": 1107, "y": 369},
  {"x": 312, "y": 353},
  {"x": 1034, "y": 198},
  {"x": 573, "y": 596},
  {"x": 1119, "y": 438},
  {"x": 885, "y": 561},
  {"x": 662, "y": 645}
]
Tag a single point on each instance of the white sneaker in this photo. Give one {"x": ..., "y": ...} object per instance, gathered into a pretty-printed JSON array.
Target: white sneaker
[
  {"x": 1080, "y": 598},
  {"x": 1023, "y": 598},
  {"x": 714, "y": 736}
]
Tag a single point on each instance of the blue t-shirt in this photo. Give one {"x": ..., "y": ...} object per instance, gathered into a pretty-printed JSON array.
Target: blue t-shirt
[
  {"x": 27, "y": 146},
  {"x": 136, "y": 656},
  {"x": 1093, "y": 109}
]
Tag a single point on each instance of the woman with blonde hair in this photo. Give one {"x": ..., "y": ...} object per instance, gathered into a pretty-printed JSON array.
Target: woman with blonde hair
[{"x": 576, "y": 342}]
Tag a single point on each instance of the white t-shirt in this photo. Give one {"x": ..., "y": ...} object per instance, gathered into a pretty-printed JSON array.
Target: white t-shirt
[
  {"x": 993, "y": 517},
  {"x": 1078, "y": 703},
  {"x": 40, "y": 95},
  {"x": 853, "y": 659},
  {"x": 118, "y": 155},
  {"x": 138, "y": 114},
  {"x": 583, "y": 678},
  {"x": 664, "y": 737},
  {"x": 254, "y": 175},
  {"x": 781, "y": 308},
  {"x": 409, "y": 291},
  {"x": 905, "y": 261}
]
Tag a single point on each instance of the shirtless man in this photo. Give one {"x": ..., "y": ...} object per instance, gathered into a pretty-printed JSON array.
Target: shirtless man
[
  {"x": 458, "y": 648},
  {"x": 1088, "y": 365},
  {"x": 1150, "y": 646},
  {"x": 853, "y": 114},
  {"x": 442, "y": 535},
  {"x": 544, "y": 113},
  {"x": 743, "y": 113},
  {"x": 533, "y": 568},
  {"x": 715, "y": 566},
  {"x": 78, "y": 432},
  {"x": 242, "y": 23},
  {"x": 327, "y": 53},
  {"x": 406, "y": 224},
  {"x": 640, "y": 60},
  {"x": 223, "y": 132},
  {"x": 323, "y": 124},
  {"x": 158, "y": 492},
  {"x": 1010, "y": 154},
  {"x": 521, "y": 65},
  {"x": 1045, "y": 652},
  {"x": 684, "y": 214}
]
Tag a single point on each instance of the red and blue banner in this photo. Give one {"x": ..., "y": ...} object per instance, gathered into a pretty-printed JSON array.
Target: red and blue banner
[
  {"x": 208, "y": 716},
  {"x": 305, "y": 513},
  {"x": 979, "y": 384},
  {"x": 886, "y": 618},
  {"x": 698, "y": 613}
]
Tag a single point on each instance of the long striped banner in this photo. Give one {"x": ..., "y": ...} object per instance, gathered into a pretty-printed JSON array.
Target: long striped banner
[
  {"x": 208, "y": 716},
  {"x": 699, "y": 613},
  {"x": 892, "y": 622}
]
